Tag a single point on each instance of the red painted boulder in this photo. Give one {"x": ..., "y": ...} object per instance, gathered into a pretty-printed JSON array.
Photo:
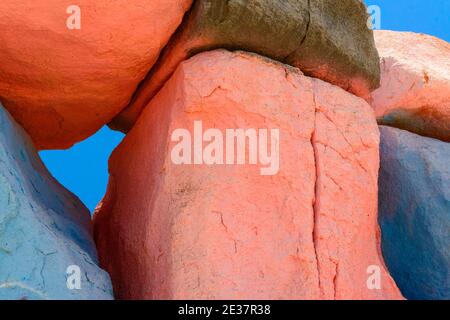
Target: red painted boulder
[
  {"x": 285, "y": 208},
  {"x": 415, "y": 83},
  {"x": 62, "y": 83}
]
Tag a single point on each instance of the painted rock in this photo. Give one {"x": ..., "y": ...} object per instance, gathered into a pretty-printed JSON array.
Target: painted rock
[
  {"x": 62, "y": 83},
  {"x": 324, "y": 38},
  {"x": 415, "y": 84},
  {"x": 415, "y": 212},
  {"x": 46, "y": 245},
  {"x": 245, "y": 179}
]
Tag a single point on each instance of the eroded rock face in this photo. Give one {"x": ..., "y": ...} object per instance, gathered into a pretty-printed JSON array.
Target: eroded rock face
[
  {"x": 327, "y": 39},
  {"x": 44, "y": 229},
  {"x": 415, "y": 83},
  {"x": 308, "y": 231},
  {"x": 415, "y": 212},
  {"x": 62, "y": 85}
]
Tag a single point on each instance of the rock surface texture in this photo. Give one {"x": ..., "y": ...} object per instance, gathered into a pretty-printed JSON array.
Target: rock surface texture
[
  {"x": 63, "y": 84},
  {"x": 415, "y": 83},
  {"x": 415, "y": 212},
  {"x": 44, "y": 229},
  {"x": 167, "y": 231},
  {"x": 326, "y": 39}
]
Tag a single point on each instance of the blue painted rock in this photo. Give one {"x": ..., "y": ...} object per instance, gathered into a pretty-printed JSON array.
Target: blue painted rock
[
  {"x": 414, "y": 198},
  {"x": 46, "y": 246}
]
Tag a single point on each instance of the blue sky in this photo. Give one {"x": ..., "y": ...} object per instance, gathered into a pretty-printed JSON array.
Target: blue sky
[
  {"x": 83, "y": 169},
  {"x": 425, "y": 16}
]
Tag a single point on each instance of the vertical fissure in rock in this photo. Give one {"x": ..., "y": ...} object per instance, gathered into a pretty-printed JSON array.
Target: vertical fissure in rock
[
  {"x": 336, "y": 266},
  {"x": 315, "y": 204},
  {"x": 307, "y": 24},
  {"x": 287, "y": 58}
]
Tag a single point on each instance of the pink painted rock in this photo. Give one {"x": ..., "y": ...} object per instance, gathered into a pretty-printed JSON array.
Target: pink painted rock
[
  {"x": 415, "y": 86},
  {"x": 63, "y": 84},
  {"x": 306, "y": 229}
]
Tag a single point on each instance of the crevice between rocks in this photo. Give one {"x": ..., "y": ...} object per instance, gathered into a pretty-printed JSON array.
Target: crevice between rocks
[
  {"x": 143, "y": 82},
  {"x": 416, "y": 124}
]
